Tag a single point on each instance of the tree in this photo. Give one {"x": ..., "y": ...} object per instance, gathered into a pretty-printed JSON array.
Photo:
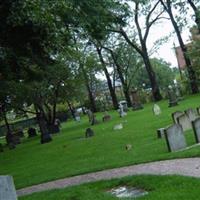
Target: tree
[
  {"x": 147, "y": 8},
  {"x": 191, "y": 73}
]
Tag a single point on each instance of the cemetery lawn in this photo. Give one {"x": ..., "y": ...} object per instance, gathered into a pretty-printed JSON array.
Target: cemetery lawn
[
  {"x": 158, "y": 187},
  {"x": 71, "y": 154}
]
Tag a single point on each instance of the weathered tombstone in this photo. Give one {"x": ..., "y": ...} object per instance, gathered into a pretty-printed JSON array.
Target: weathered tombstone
[
  {"x": 172, "y": 97},
  {"x": 106, "y": 117},
  {"x": 128, "y": 147},
  {"x": 184, "y": 121},
  {"x": 192, "y": 114},
  {"x": 156, "y": 109},
  {"x": 198, "y": 110},
  {"x": 77, "y": 117},
  {"x": 178, "y": 93},
  {"x": 7, "y": 188},
  {"x": 196, "y": 129},
  {"x": 175, "y": 115},
  {"x": 89, "y": 132},
  {"x": 175, "y": 138},
  {"x": 118, "y": 126},
  {"x": 161, "y": 132},
  {"x": 135, "y": 100},
  {"x": 31, "y": 132},
  {"x": 121, "y": 111},
  {"x": 92, "y": 117}
]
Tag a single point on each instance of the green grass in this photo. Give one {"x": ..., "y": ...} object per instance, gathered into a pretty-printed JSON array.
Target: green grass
[
  {"x": 159, "y": 188},
  {"x": 70, "y": 154}
]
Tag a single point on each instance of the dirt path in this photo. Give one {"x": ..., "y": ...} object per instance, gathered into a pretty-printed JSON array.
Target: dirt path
[{"x": 185, "y": 167}]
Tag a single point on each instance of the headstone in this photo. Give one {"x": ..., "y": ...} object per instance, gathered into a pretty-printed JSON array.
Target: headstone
[
  {"x": 192, "y": 114},
  {"x": 53, "y": 128},
  {"x": 135, "y": 100},
  {"x": 184, "y": 121},
  {"x": 31, "y": 132},
  {"x": 156, "y": 109},
  {"x": 172, "y": 97},
  {"x": 198, "y": 110},
  {"x": 7, "y": 188},
  {"x": 106, "y": 117},
  {"x": 161, "y": 132},
  {"x": 175, "y": 138},
  {"x": 121, "y": 111},
  {"x": 77, "y": 117},
  {"x": 178, "y": 93},
  {"x": 92, "y": 117},
  {"x": 57, "y": 122},
  {"x": 196, "y": 129},
  {"x": 89, "y": 133},
  {"x": 118, "y": 127},
  {"x": 175, "y": 115},
  {"x": 128, "y": 147}
]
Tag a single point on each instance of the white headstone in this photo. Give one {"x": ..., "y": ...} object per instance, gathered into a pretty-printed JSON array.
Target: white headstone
[
  {"x": 156, "y": 109},
  {"x": 118, "y": 127}
]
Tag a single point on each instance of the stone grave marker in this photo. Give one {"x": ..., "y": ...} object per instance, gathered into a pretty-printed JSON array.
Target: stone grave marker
[
  {"x": 198, "y": 110},
  {"x": 156, "y": 109},
  {"x": 192, "y": 114},
  {"x": 161, "y": 132},
  {"x": 184, "y": 121},
  {"x": 175, "y": 138},
  {"x": 135, "y": 100},
  {"x": 118, "y": 126},
  {"x": 196, "y": 129},
  {"x": 175, "y": 115},
  {"x": 106, "y": 117},
  {"x": 89, "y": 133},
  {"x": 172, "y": 97},
  {"x": 7, "y": 188},
  {"x": 122, "y": 113}
]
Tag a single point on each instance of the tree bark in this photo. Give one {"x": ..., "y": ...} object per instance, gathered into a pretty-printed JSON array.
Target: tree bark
[
  {"x": 191, "y": 72},
  {"x": 124, "y": 84},
  {"x": 71, "y": 109},
  {"x": 196, "y": 12},
  {"x": 90, "y": 94},
  {"x": 45, "y": 135},
  {"x": 109, "y": 82}
]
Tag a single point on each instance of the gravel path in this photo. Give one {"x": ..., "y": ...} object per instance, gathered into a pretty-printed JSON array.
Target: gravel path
[{"x": 185, "y": 167}]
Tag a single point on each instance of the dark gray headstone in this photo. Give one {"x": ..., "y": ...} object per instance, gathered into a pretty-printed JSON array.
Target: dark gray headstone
[
  {"x": 161, "y": 132},
  {"x": 192, "y": 114},
  {"x": 175, "y": 115},
  {"x": 89, "y": 133},
  {"x": 106, "y": 118},
  {"x": 135, "y": 100},
  {"x": 7, "y": 188},
  {"x": 175, "y": 138},
  {"x": 196, "y": 129},
  {"x": 184, "y": 121},
  {"x": 172, "y": 97}
]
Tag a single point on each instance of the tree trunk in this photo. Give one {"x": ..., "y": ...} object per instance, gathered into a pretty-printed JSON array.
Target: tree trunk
[
  {"x": 71, "y": 109},
  {"x": 109, "y": 82},
  {"x": 191, "y": 72},
  {"x": 196, "y": 12},
  {"x": 90, "y": 95},
  {"x": 154, "y": 85},
  {"x": 9, "y": 137},
  {"x": 124, "y": 85},
  {"x": 45, "y": 135}
]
